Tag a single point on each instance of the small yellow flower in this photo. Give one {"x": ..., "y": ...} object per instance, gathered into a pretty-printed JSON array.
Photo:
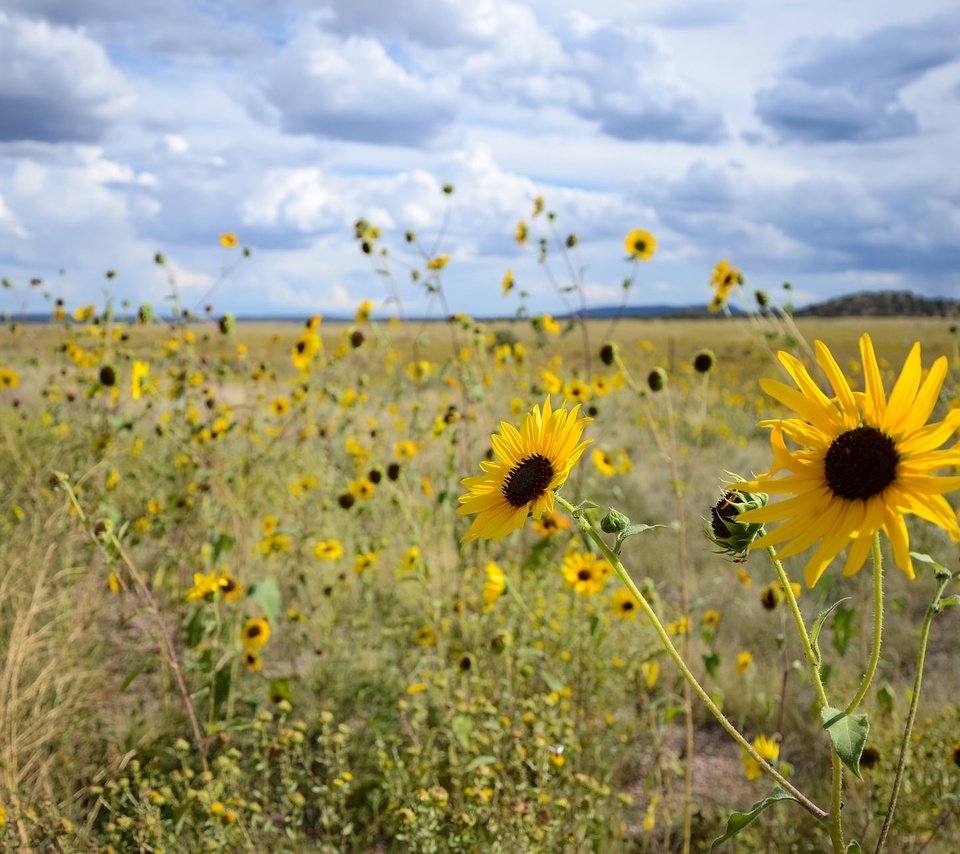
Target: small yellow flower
[
  {"x": 507, "y": 283},
  {"x": 113, "y": 582},
  {"x": 650, "y": 670},
  {"x": 9, "y": 378},
  {"x": 84, "y": 312},
  {"x": 521, "y": 233},
  {"x": 438, "y": 263},
  {"x": 495, "y": 584},
  {"x": 416, "y": 688},
  {"x": 744, "y": 660},
  {"x": 549, "y": 325},
  {"x": 410, "y": 560},
  {"x": 363, "y": 311},
  {"x": 255, "y": 633},
  {"x": 328, "y": 550},
  {"x": 586, "y": 573},
  {"x": 362, "y": 489},
  {"x": 252, "y": 660},
  {"x": 769, "y": 751},
  {"x": 280, "y": 406},
  {"x": 640, "y": 244},
  {"x": 138, "y": 379},
  {"x": 228, "y": 240},
  {"x": 269, "y": 525},
  {"x": 624, "y": 605},
  {"x": 405, "y": 450},
  {"x": 425, "y": 636},
  {"x": 364, "y": 561},
  {"x": 604, "y": 462},
  {"x": 711, "y": 618}
]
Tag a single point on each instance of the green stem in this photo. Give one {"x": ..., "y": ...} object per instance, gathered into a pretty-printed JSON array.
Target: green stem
[
  {"x": 836, "y": 789},
  {"x": 877, "y": 626},
  {"x": 801, "y": 628},
  {"x": 932, "y": 610},
  {"x": 588, "y": 528}
]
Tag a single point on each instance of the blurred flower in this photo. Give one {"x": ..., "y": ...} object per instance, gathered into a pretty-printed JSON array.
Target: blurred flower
[
  {"x": 744, "y": 660},
  {"x": 623, "y": 604},
  {"x": 640, "y": 244},
  {"x": 585, "y": 572},
  {"x": 769, "y": 751},
  {"x": 255, "y": 633},
  {"x": 9, "y": 378},
  {"x": 495, "y": 584},
  {"x": 228, "y": 240},
  {"x": 328, "y": 550}
]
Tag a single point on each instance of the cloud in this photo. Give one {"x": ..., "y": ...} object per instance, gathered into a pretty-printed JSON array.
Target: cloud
[
  {"x": 621, "y": 78},
  {"x": 352, "y": 89},
  {"x": 845, "y": 89},
  {"x": 56, "y": 84}
]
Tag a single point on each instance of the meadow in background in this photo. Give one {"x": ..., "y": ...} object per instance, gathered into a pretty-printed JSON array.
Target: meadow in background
[{"x": 237, "y": 610}]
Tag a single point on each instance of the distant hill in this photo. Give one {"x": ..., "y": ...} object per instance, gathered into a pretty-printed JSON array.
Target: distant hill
[{"x": 882, "y": 304}]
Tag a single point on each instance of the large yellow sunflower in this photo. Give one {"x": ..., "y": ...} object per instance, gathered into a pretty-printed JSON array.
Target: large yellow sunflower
[
  {"x": 861, "y": 462},
  {"x": 530, "y": 464}
]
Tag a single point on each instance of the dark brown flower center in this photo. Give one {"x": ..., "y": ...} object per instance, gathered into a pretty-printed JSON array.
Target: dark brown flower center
[
  {"x": 861, "y": 463},
  {"x": 627, "y": 605},
  {"x": 584, "y": 575},
  {"x": 528, "y": 480}
]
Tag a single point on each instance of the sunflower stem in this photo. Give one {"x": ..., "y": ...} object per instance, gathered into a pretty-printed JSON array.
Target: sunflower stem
[
  {"x": 801, "y": 628},
  {"x": 877, "y": 626},
  {"x": 932, "y": 610},
  {"x": 587, "y": 527},
  {"x": 836, "y": 788}
]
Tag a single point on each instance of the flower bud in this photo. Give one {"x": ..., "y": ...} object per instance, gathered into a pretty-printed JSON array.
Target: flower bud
[
  {"x": 657, "y": 379},
  {"x": 731, "y": 536},
  {"x": 614, "y": 522},
  {"x": 704, "y": 361},
  {"x": 608, "y": 352}
]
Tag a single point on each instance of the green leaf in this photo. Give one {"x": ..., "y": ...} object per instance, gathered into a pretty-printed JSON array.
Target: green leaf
[
  {"x": 583, "y": 506},
  {"x": 925, "y": 558},
  {"x": 462, "y": 727},
  {"x": 711, "y": 662},
  {"x": 853, "y": 847},
  {"x": 848, "y": 734},
  {"x": 221, "y": 686},
  {"x": 553, "y": 683},
  {"x": 947, "y": 601},
  {"x": 142, "y": 667},
  {"x": 267, "y": 595},
  {"x": 477, "y": 761},
  {"x": 739, "y": 820},
  {"x": 818, "y": 626},
  {"x": 843, "y": 627}
]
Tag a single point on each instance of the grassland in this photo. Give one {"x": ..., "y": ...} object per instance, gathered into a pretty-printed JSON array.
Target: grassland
[{"x": 408, "y": 696}]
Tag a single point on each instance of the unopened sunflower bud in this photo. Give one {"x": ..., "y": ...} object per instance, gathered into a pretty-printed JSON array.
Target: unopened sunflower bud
[
  {"x": 226, "y": 324},
  {"x": 608, "y": 353},
  {"x": 762, "y": 299},
  {"x": 145, "y": 314},
  {"x": 657, "y": 379},
  {"x": 704, "y": 361},
  {"x": 731, "y": 536},
  {"x": 614, "y": 522}
]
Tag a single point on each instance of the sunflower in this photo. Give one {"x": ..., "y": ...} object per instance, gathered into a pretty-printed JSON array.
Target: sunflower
[
  {"x": 863, "y": 462},
  {"x": 769, "y": 751},
  {"x": 255, "y": 633},
  {"x": 640, "y": 244},
  {"x": 531, "y": 463},
  {"x": 623, "y": 604},
  {"x": 586, "y": 573}
]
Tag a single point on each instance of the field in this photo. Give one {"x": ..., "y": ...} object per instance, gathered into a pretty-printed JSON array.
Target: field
[{"x": 238, "y": 611}]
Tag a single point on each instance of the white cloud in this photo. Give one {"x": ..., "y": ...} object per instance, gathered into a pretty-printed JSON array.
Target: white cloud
[
  {"x": 352, "y": 89},
  {"x": 56, "y": 84}
]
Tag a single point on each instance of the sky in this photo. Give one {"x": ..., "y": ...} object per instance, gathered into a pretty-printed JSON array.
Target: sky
[{"x": 813, "y": 142}]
